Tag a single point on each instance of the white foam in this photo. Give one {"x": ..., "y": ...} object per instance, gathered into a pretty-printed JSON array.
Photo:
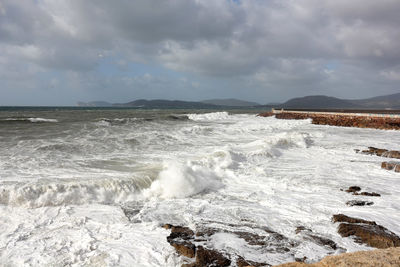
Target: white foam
[
  {"x": 73, "y": 192},
  {"x": 209, "y": 116},
  {"x": 32, "y": 119},
  {"x": 60, "y": 193},
  {"x": 183, "y": 180},
  {"x": 42, "y": 120}
]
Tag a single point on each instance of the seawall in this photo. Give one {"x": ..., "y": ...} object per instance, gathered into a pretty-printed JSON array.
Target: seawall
[{"x": 345, "y": 119}]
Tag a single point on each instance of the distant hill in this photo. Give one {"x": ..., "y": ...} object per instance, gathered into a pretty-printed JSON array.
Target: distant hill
[
  {"x": 94, "y": 104},
  {"x": 381, "y": 102},
  {"x": 160, "y": 103},
  {"x": 327, "y": 102},
  {"x": 231, "y": 102},
  {"x": 318, "y": 102}
]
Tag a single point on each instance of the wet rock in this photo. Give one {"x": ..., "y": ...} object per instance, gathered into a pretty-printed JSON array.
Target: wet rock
[
  {"x": 300, "y": 229},
  {"x": 372, "y": 194},
  {"x": 184, "y": 248},
  {"x": 348, "y": 219},
  {"x": 391, "y": 166},
  {"x": 181, "y": 239},
  {"x": 197, "y": 245},
  {"x": 181, "y": 232},
  {"x": 393, "y": 154},
  {"x": 352, "y": 203},
  {"x": 323, "y": 241},
  {"x": 353, "y": 188},
  {"x": 266, "y": 114},
  {"x": 366, "y": 232},
  {"x": 208, "y": 257},
  {"x": 375, "y": 151},
  {"x": 240, "y": 262},
  {"x": 382, "y": 152}
]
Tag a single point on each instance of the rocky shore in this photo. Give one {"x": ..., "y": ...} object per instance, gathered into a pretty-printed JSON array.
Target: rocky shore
[
  {"x": 196, "y": 248},
  {"x": 344, "y": 120}
]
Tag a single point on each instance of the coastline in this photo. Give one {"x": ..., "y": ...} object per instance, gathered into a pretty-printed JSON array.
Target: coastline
[
  {"x": 384, "y": 120},
  {"x": 348, "y": 118}
]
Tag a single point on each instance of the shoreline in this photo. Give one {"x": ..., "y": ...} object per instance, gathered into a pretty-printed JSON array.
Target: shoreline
[{"x": 344, "y": 118}]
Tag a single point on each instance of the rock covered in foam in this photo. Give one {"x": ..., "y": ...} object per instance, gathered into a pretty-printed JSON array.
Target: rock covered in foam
[
  {"x": 367, "y": 232},
  {"x": 391, "y": 166},
  {"x": 356, "y": 202},
  {"x": 382, "y": 152}
]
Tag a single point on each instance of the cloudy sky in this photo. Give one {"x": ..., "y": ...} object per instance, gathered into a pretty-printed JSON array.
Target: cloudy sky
[{"x": 58, "y": 52}]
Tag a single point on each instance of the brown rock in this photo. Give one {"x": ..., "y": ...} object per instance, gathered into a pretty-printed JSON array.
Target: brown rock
[
  {"x": 240, "y": 262},
  {"x": 353, "y": 189},
  {"x": 345, "y": 218},
  {"x": 391, "y": 166},
  {"x": 367, "y": 232},
  {"x": 343, "y": 120},
  {"x": 372, "y": 194},
  {"x": 301, "y": 228},
  {"x": 184, "y": 248},
  {"x": 266, "y": 114},
  {"x": 208, "y": 257},
  {"x": 374, "y": 258},
  {"x": 375, "y": 151},
  {"x": 181, "y": 239},
  {"x": 323, "y": 241},
  {"x": 352, "y": 203},
  {"x": 393, "y": 154},
  {"x": 179, "y": 232},
  {"x": 397, "y": 168}
]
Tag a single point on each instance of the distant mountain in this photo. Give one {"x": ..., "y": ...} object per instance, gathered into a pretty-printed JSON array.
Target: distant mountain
[
  {"x": 231, "y": 102},
  {"x": 160, "y": 103},
  {"x": 94, "y": 104},
  {"x": 327, "y": 102},
  {"x": 380, "y": 102},
  {"x": 318, "y": 102}
]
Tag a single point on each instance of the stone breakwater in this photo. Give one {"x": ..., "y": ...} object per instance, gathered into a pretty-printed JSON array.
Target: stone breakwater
[{"x": 377, "y": 121}]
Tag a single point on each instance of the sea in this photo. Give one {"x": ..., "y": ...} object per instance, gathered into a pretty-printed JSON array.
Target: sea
[{"x": 93, "y": 186}]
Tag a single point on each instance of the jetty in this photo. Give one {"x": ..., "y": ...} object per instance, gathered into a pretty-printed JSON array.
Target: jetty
[{"x": 377, "y": 119}]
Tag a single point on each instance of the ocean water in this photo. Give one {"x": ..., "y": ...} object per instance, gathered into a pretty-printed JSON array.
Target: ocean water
[{"x": 93, "y": 187}]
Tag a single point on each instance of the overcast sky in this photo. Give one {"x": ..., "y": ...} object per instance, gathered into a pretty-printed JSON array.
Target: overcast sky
[{"x": 58, "y": 52}]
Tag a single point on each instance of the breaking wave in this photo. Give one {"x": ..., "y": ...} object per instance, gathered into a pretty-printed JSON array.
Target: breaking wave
[
  {"x": 56, "y": 193},
  {"x": 28, "y": 120},
  {"x": 209, "y": 116}
]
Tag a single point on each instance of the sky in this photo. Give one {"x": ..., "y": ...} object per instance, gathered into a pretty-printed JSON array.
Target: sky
[{"x": 59, "y": 52}]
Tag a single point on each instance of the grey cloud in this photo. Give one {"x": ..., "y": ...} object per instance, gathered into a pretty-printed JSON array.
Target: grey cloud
[{"x": 276, "y": 47}]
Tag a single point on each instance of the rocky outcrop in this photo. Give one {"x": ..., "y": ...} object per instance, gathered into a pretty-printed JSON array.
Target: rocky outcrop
[
  {"x": 355, "y": 191},
  {"x": 266, "y": 114},
  {"x": 310, "y": 235},
  {"x": 366, "y": 232},
  {"x": 373, "y": 258},
  {"x": 209, "y": 257},
  {"x": 376, "y": 122},
  {"x": 352, "y": 203},
  {"x": 391, "y": 166},
  {"x": 382, "y": 152},
  {"x": 368, "y": 194},
  {"x": 193, "y": 245}
]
